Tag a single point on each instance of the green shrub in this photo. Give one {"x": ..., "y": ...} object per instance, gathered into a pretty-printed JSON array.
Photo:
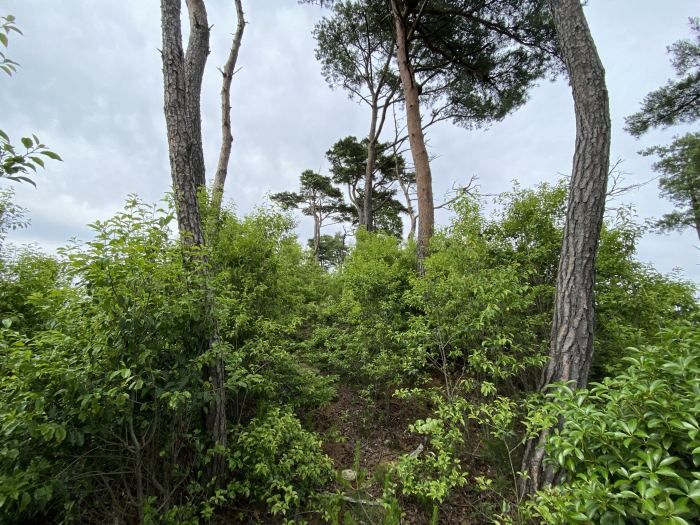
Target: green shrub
[
  {"x": 277, "y": 462},
  {"x": 630, "y": 445}
]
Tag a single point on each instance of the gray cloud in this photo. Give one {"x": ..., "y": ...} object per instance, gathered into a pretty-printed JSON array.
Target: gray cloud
[{"x": 90, "y": 86}]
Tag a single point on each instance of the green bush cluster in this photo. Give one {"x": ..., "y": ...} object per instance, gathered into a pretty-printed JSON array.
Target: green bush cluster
[
  {"x": 629, "y": 446},
  {"x": 103, "y": 396},
  {"x": 101, "y": 384}
]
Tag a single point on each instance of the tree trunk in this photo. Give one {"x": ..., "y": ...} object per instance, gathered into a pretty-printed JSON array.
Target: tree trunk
[
  {"x": 368, "y": 211},
  {"x": 226, "y": 135},
  {"x": 182, "y": 75},
  {"x": 179, "y": 126},
  {"x": 317, "y": 236},
  {"x": 695, "y": 205},
  {"x": 421, "y": 162},
  {"x": 571, "y": 349},
  {"x": 195, "y": 61}
]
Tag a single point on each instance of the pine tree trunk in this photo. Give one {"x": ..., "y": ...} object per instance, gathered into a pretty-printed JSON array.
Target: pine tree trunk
[
  {"x": 416, "y": 139},
  {"x": 179, "y": 126},
  {"x": 195, "y": 61},
  {"x": 317, "y": 236},
  {"x": 368, "y": 206},
  {"x": 571, "y": 349},
  {"x": 695, "y": 205},
  {"x": 180, "y": 77}
]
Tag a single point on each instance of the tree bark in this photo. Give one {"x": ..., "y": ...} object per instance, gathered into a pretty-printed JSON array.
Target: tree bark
[
  {"x": 317, "y": 236},
  {"x": 182, "y": 82},
  {"x": 695, "y": 205},
  {"x": 419, "y": 152},
  {"x": 571, "y": 349},
  {"x": 226, "y": 135},
  {"x": 179, "y": 126},
  {"x": 368, "y": 207},
  {"x": 195, "y": 61}
]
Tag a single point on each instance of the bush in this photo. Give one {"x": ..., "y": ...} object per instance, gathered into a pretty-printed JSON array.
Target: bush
[
  {"x": 277, "y": 462},
  {"x": 629, "y": 446}
]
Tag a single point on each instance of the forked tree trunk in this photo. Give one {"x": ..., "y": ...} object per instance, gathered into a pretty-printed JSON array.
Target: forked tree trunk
[
  {"x": 179, "y": 126},
  {"x": 416, "y": 139},
  {"x": 573, "y": 325},
  {"x": 182, "y": 81}
]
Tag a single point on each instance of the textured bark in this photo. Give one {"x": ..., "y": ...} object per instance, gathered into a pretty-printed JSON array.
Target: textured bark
[
  {"x": 368, "y": 207},
  {"x": 195, "y": 61},
  {"x": 571, "y": 349},
  {"x": 179, "y": 126},
  {"x": 317, "y": 236},
  {"x": 416, "y": 139},
  {"x": 696, "y": 211},
  {"x": 226, "y": 135},
  {"x": 182, "y": 85}
]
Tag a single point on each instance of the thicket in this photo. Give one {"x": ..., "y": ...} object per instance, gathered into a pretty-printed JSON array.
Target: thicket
[{"x": 101, "y": 394}]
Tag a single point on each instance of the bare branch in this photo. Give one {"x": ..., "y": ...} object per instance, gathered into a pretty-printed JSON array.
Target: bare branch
[{"x": 226, "y": 136}]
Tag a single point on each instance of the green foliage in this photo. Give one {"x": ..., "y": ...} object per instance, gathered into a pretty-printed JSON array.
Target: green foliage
[
  {"x": 434, "y": 474},
  {"x": 7, "y": 26},
  {"x": 476, "y": 61},
  {"x": 348, "y": 161},
  {"x": 630, "y": 445},
  {"x": 332, "y": 250},
  {"x": 280, "y": 463},
  {"x": 15, "y": 164},
  {"x": 634, "y": 301},
  {"x": 355, "y": 47},
  {"x": 678, "y": 101},
  {"x": 86, "y": 396},
  {"x": 102, "y": 392},
  {"x": 25, "y": 281},
  {"x": 316, "y": 193},
  {"x": 679, "y": 166},
  {"x": 12, "y": 216},
  {"x": 356, "y": 335},
  {"x": 268, "y": 291}
]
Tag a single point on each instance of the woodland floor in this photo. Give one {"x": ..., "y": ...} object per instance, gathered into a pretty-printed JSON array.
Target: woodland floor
[
  {"x": 368, "y": 438},
  {"x": 375, "y": 436}
]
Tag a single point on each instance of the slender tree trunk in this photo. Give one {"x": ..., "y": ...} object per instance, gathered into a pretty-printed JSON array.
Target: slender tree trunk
[
  {"x": 421, "y": 162},
  {"x": 405, "y": 188},
  {"x": 368, "y": 206},
  {"x": 696, "y": 210},
  {"x": 317, "y": 236},
  {"x": 226, "y": 135},
  {"x": 182, "y": 79},
  {"x": 573, "y": 325}
]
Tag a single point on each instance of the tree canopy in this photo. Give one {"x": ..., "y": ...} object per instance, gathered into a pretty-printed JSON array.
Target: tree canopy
[{"x": 679, "y": 100}]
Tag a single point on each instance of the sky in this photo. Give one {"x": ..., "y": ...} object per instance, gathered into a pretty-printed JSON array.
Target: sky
[{"x": 90, "y": 87}]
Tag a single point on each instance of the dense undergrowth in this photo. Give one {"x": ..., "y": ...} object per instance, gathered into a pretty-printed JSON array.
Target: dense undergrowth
[{"x": 421, "y": 386}]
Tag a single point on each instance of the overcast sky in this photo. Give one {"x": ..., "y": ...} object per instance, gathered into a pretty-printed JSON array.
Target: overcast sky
[{"x": 90, "y": 86}]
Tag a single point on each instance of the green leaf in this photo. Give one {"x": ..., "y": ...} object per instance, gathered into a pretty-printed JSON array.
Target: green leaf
[
  {"x": 27, "y": 142},
  {"x": 51, "y": 155}
]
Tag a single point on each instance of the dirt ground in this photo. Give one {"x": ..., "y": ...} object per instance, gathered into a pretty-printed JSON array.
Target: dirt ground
[{"x": 357, "y": 435}]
